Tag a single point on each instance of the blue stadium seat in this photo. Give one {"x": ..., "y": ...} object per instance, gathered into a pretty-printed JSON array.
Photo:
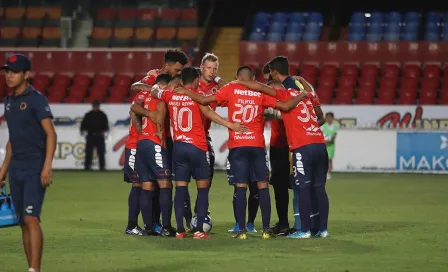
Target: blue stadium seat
[
  {"x": 412, "y": 17},
  {"x": 262, "y": 17},
  {"x": 374, "y": 37},
  {"x": 259, "y": 27},
  {"x": 360, "y": 29},
  {"x": 394, "y": 18},
  {"x": 358, "y": 18},
  {"x": 410, "y": 27},
  {"x": 297, "y": 17},
  {"x": 277, "y": 27},
  {"x": 432, "y": 27},
  {"x": 274, "y": 37},
  {"x": 311, "y": 36},
  {"x": 432, "y": 36},
  {"x": 409, "y": 36},
  {"x": 445, "y": 18},
  {"x": 392, "y": 36},
  {"x": 355, "y": 37},
  {"x": 315, "y": 17},
  {"x": 393, "y": 28},
  {"x": 376, "y": 17},
  {"x": 280, "y": 17},
  {"x": 312, "y": 27},
  {"x": 292, "y": 37},
  {"x": 294, "y": 27},
  {"x": 256, "y": 36},
  {"x": 433, "y": 17}
]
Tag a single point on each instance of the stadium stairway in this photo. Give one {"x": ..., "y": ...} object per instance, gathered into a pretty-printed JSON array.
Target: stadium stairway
[
  {"x": 227, "y": 49},
  {"x": 84, "y": 29}
]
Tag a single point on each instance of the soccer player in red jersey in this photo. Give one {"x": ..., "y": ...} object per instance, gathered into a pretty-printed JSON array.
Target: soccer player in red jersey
[
  {"x": 247, "y": 156},
  {"x": 310, "y": 157},
  {"x": 174, "y": 61},
  {"x": 190, "y": 147}
]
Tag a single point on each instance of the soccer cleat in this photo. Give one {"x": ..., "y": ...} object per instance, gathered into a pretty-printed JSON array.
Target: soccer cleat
[
  {"x": 135, "y": 231},
  {"x": 149, "y": 232},
  {"x": 235, "y": 228},
  {"x": 168, "y": 232},
  {"x": 322, "y": 234},
  {"x": 157, "y": 227},
  {"x": 201, "y": 235},
  {"x": 267, "y": 234},
  {"x": 280, "y": 230},
  {"x": 300, "y": 235},
  {"x": 241, "y": 234},
  {"x": 251, "y": 228},
  {"x": 181, "y": 235}
]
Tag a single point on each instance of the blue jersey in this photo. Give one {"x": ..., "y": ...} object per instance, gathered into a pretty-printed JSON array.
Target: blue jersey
[
  {"x": 24, "y": 114},
  {"x": 291, "y": 83}
]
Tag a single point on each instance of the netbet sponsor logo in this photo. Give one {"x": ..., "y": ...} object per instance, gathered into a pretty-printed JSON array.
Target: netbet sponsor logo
[{"x": 247, "y": 93}]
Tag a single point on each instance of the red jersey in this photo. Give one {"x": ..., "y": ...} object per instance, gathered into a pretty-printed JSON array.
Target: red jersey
[
  {"x": 246, "y": 107},
  {"x": 149, "y": 128},
  {"x": 150, "y": 80},
  {"x": 131, "y": 142},
  {"x": 278, "y": 134},
  {"x": 186, "y": 118},
  {"x": 208, "y": 89},
  {"x": 301, "y": 123}
]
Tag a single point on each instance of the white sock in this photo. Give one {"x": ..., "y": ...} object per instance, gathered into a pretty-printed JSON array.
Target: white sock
[{"x": 31, "y": 270}]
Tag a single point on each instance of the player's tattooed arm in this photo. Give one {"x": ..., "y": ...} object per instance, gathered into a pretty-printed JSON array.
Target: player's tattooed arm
[
  {"x": 161, "y": 115},
  {"x": 213, "y": 116},
  {"x": 138, "y": 109},
  {"x": 291, "y": 103},
  {"x": 5, "y": 165},
  {"x": 136, "y": 121},
  {"x": 257, "y": 86},
  {"x": 198, "y": 98}
]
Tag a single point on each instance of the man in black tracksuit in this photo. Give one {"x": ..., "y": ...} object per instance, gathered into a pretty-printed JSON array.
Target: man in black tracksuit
[{"x": 95, "y": 123}]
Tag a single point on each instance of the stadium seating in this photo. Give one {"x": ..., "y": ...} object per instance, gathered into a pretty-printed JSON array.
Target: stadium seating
[
  {"x": 30, "y": 27},
  {"x": 351, "y": 83},
  {"x": 145, "y": 27},
  {"x": 280, "y": 26}
]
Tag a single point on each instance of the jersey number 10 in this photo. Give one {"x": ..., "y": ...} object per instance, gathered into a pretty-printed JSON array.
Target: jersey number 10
[{"x": 179, "y": 116}]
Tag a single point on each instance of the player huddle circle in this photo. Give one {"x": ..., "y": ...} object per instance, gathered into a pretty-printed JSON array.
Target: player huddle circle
[{"x": 169, "y": 141}]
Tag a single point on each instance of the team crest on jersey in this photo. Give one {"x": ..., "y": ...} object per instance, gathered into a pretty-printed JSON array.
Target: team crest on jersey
[{"x": 23, "y": 106}]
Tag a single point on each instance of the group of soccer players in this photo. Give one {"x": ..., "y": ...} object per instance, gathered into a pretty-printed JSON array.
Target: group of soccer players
[{"x": 184, "y": 99}]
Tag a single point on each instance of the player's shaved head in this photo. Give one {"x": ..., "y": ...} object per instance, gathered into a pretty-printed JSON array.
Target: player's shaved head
[
  {"x": 189, "y": 75},
  {"x": 275, "y": 84},
  {"x": 245, "y": 73},
  {"x": 163, "y": 79}
]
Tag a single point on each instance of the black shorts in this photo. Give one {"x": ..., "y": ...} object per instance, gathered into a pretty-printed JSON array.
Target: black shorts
[
  {"x": 211, "y": 155},
  {"x": 152, "y": 163},
  {"x": 26, "y": 191},
  {"x": 280, "y": 165},
  {"x": 248, "y": 164},
  {"x": 190, "y": 161}
]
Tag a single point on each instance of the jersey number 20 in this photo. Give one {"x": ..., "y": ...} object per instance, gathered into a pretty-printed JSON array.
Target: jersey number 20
[{"x": 245, "y": 113}]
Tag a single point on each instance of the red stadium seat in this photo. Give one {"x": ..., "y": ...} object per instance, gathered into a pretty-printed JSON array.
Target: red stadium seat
[
  {"x": 130, "y": 97},
  {"x": 61, "y": 80},
  {"x": 78, "y": 91},
  {"x": 326, "y": 82},
  {"x": 122, "y": 80},
  {"x": 344, "y": 96},
  {"x": 81, "y": 80},
  {"x": 390, "y": 71},
  {"x": 56, "y": 92},
  {"x": 115, "y": 99},
  {"x": 428, "y": 96},
  {"x": 407, "y": 96},
  {"x": 409, "y": 83},
  {"x": 329, "y": 70},
  {"x": 388, "y": 82},
  {"x": 347, "y": 81},
  {"x": 293, "y": 69},
  {"x": 444, "y": 97},
  {"x": 367, "y": 84},
  {"x": 120, "y": 91},
  {"x": 101, "y": 80},
  {"x": 41, "y": 87},
  {"x": 349, "y": 70},
  {"x": 308, "y": 69},
  {"x": 430, "y": 83},
  {"x": 41, "y": 80},
  {"x": 74, "y": 99},
  {"x": 364, "y": 96},
  {"x": 369, "y": 71},
  {"x": 325, "y": 95},
  {"x": 310, "y": 78},
  {"x": 431, "y": 71},
  {"x": 138, "y": 77},
  {"x": 411, "y": 70},
  {"x": 97, "y": 92},
  {"x": 386, "y": 96}
]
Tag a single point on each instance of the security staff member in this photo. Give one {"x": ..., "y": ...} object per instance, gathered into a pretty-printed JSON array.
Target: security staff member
[
  {"x": 96, "y": 125},
  {"x": 29, "y": 153}
]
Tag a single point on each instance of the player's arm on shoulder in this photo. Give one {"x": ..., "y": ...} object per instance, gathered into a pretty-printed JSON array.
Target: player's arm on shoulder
[
  {"x": 257, "y": 86},
  {"x": 198, "y": 98},
  {"x": 291, "y": 103},
  {"x": 221, "y": 82},
  {"x": 138, "y": 109},
  {"x": 213, "y": 116}
]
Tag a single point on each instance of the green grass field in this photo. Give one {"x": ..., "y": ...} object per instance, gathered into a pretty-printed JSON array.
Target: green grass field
[{"x": 378, "y": 222}]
